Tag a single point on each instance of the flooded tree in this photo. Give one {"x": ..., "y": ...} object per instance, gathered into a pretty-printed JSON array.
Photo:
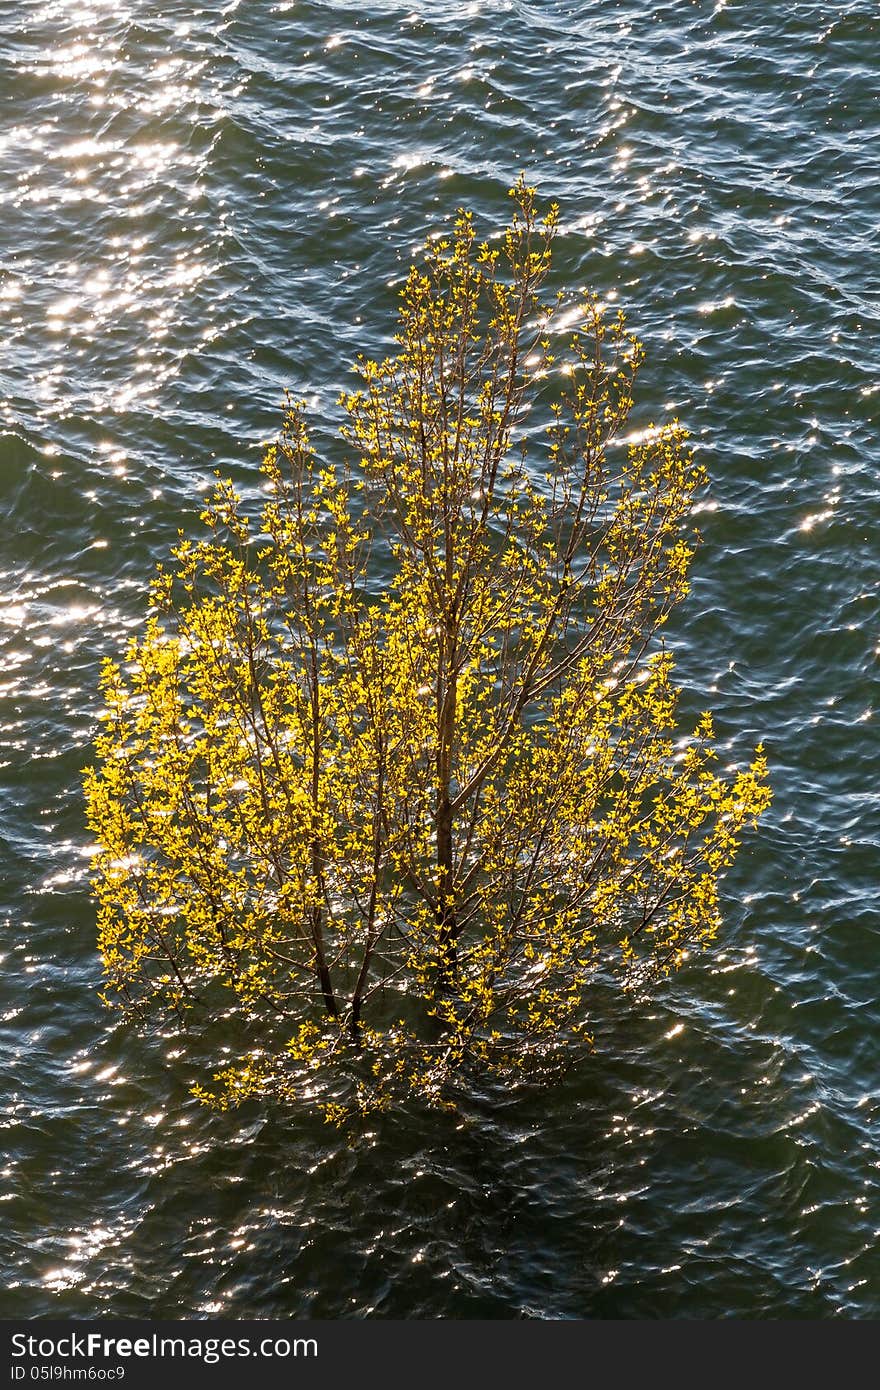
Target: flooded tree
[{"x": 392, "y": 769}]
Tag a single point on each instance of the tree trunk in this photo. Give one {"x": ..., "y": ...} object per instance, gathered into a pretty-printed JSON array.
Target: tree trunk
[{"x": 446, "y": 916}]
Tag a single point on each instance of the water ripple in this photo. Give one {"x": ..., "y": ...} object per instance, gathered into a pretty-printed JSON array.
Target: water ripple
[{"x": 202, "y": 206}]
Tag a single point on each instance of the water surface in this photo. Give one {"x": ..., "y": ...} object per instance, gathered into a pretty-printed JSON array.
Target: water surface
[{"x": 203, "y": 206}]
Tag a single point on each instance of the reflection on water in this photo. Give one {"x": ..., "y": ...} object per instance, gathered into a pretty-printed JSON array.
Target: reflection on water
[{"x": 202, "y": 206}]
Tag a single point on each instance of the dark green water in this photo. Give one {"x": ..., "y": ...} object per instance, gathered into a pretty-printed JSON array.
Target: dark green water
[{"x": 202, "y": 206}]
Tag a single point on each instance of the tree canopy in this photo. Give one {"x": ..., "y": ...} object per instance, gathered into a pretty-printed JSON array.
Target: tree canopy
[{"x": 392, "y": 769}]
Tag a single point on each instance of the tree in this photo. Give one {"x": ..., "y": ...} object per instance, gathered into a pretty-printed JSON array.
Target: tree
[{"x": 391, "y": 771}]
